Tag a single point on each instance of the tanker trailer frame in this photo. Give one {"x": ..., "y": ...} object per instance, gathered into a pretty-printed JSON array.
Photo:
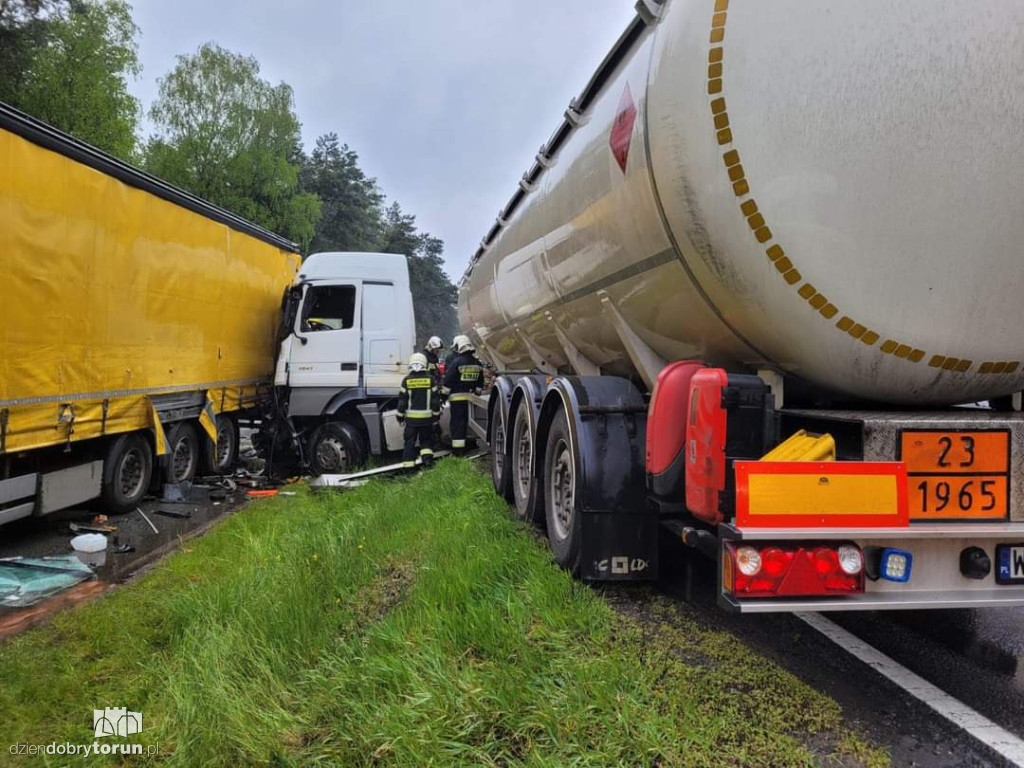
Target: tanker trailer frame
[
  {"x": 802, "y": 510},
  {"x": 663, "y": 339}
]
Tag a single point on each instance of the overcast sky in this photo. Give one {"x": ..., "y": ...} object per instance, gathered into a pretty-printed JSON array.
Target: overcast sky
[{"x": 446, "y": 101}]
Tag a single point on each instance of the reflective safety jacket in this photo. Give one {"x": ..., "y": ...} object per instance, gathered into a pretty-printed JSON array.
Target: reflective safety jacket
[
  {"x": 463, "y": 375},
  {"x": 419, "y": 397}
]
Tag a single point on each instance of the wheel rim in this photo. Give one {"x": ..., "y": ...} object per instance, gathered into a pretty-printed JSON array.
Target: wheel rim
[
  {"x": 523, "y": 457},
  {"x": 562, "y": 478},
  {"x": 498, "y": 450},
  {"x": 225, "y": 435},
  {"x": 183, "y": 459},
  {"x": 131, "y": 473},
  {"x": 331, "y": 454}
]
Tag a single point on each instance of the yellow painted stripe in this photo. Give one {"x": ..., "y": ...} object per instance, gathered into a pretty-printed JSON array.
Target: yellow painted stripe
[
  {"x": 822, "y": 494},
  {"x": 764, "y": 235}
]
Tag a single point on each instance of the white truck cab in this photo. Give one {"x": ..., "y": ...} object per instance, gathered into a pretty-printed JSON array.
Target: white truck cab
[{"x": 347, "y": 335}]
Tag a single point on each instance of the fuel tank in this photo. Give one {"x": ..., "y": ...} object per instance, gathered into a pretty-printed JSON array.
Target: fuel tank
[{"x": 830, "y": 190}]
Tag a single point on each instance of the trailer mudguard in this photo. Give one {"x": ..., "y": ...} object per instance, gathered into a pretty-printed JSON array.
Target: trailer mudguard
[{"x": 607, "y": 419}]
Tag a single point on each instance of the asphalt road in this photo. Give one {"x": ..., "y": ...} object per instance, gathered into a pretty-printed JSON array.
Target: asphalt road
[
  {"x": 975, "y": 656},
  {"x": 50, "y": 535}
]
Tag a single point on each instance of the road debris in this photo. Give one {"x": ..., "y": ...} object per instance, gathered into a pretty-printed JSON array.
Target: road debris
[
  {"x": 27, "y": 581},
  {"x": 147, "y": 520}
]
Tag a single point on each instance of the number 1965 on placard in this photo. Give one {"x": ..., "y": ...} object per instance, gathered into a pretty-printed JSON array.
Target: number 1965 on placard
[{"x": 957, "y": 475}]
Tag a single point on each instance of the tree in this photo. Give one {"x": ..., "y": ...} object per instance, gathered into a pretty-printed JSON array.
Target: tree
[
  {"x": 351, "y": 202},
  {"x": 433, "y": 294},
  {"x": 23, "y": 26},
  {"x": 74, "y": 62},
  {"x": 232, "y": 138}
]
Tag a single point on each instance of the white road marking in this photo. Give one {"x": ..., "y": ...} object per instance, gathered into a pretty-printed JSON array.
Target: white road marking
[{"x": 974, "y": 723}]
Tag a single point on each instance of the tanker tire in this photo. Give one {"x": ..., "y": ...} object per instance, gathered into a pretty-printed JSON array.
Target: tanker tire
[
  {"x": 526, "y": 497},
  {"x": 127, "y": 470},
  {"x": 501, "y": 473},
  {"x": 559, "y": 481},
  {"x": 219, "y": 458},
  {"x": 182, "y": 453},
  {"x": 335, "y": 449}
]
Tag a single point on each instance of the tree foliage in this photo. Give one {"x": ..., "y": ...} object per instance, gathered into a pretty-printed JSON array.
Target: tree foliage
[
  {"x": 68, "y": 64},
  {"x": 231, "y": 137},
  {"x": 351, "y": 201},
  {"x": 433, "y": 293},
  {"x": 23, "y": 26}
]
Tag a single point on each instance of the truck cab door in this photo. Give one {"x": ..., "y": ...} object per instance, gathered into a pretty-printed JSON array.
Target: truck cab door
[
  {"x": 325, "y": 351},
  {"x": 382, "y": 348}
]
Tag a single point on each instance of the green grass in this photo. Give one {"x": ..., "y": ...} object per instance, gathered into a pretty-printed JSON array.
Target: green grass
[{"x": 406, "y": 622}]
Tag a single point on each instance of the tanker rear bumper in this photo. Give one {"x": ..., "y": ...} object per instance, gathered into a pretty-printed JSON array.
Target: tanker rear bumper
[{"x": 936, "y": 581}]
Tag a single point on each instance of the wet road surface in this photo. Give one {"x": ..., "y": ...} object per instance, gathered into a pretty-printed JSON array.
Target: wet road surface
[{"x": 972, "y": 655}]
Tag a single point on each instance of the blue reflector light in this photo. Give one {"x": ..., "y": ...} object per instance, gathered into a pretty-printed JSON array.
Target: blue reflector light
[{"x": 895, "y": 565}]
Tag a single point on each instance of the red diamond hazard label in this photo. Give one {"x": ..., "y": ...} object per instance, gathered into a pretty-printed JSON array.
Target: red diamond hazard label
[{"x": 622, "y": 128}]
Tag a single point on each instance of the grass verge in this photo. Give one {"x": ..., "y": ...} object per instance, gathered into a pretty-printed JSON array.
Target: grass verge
[{"x": 406, "y": 622}]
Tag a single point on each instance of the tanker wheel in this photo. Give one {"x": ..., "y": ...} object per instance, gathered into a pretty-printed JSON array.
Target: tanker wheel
[
  {"x": 183, "y": 452},
  {"x": 335, "y": 449},
  {"x": 500, "y": 463},
  {"x": 525, "y": 496},
  {"x": 127, "y": 469},
  {"x": 563, "y": 516},
  {"x": 218, "y": 458}
]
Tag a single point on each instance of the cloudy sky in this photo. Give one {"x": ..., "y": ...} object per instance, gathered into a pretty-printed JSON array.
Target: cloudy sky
[{"x": 446, "y": 101}]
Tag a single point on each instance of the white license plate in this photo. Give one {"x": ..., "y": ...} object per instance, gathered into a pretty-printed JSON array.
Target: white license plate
[{"x": 1010, "y": 564}]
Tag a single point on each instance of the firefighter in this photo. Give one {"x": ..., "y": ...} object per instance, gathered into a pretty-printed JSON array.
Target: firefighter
[
  {"x": 464, "y": 376},
  {"x": 419, "y": 408},
  {"x": 432, "y": 352}
]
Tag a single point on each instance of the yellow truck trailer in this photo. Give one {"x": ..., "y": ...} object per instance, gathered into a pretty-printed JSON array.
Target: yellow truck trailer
[{"x": 137, "y": 322}]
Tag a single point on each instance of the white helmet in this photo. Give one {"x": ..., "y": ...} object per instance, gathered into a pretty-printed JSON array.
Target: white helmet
[
  {"x": 462, "y": 343},
  {"x": 418, "y": 362},
  {"x": 434, "y": 342}
]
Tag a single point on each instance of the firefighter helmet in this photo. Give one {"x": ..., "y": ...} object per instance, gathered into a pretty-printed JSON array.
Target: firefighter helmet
[
  {"x": 462, "y": 343},
  {"x": 434, "y": 342},
  {"x": 418, "y": 362}
]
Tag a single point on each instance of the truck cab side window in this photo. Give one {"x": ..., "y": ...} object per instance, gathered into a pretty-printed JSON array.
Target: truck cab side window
[{"x": 329, "y": 308}]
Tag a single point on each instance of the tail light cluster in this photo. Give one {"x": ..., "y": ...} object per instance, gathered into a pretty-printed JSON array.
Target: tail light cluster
[{"x": 787, "y": 570}]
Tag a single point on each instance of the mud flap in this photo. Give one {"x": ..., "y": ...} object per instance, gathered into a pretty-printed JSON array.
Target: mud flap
[
  {"x": 608, "y": 426},
  {"x": 620, "y": 546}
]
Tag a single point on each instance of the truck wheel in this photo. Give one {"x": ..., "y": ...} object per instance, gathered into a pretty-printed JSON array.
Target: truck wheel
[
  {"x": 183, "y": 452},
  {"x": 219, "y": 458},
  {"x": 336, "y": 448},
  {"x": 525, "y": 496},
  {"x": 127, "y": 469},
  {"x": 564, "y": 524},
  {"x": 500, "y": 470}
]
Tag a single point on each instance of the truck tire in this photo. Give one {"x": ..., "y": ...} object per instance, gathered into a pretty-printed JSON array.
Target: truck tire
[
  {"x": 563, "y": 518},
  {"x": 336, "y": 448},
  {"x": 501, "y": 474},
  {"x": 127, "y": 470},
  {"x": 219, "y": 458},
  {"x": 525, "y": 496},
  {"x": 182, "y": 452}
]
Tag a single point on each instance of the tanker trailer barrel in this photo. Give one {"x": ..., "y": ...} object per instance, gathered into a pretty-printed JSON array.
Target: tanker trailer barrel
[{"x": 753, "y": 185}]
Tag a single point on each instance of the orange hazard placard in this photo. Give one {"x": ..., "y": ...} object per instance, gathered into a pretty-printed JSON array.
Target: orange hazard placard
[{"x": 957, "y": 475}]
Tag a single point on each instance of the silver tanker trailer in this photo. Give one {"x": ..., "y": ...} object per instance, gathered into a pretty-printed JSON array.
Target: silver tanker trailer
[{"x": 741, "y": 289}]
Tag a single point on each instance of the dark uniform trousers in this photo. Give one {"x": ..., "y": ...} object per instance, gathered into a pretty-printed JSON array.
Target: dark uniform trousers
[
  {"x": 458, "y": 405},
  {"x": 421, "y": 430}
]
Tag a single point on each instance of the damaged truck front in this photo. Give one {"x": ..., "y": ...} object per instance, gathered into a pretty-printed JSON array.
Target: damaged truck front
[{"x": 138, "y": 328}]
